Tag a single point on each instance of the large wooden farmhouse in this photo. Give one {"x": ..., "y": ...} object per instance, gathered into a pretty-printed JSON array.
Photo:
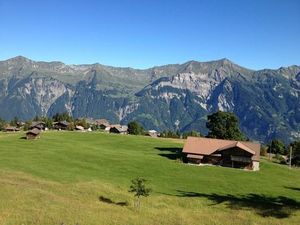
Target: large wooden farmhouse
[{"x": 236, "y": 154}]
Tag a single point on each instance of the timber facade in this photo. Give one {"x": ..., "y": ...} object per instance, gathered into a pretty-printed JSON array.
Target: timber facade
[{"x": 227, "y": 153}]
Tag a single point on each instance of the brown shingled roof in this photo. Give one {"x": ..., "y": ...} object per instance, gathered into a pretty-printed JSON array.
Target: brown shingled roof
[
  {"x": 102, "y": 121},
  {"x": 34, "y": 131},
  {"x": 208, "y": 146}
]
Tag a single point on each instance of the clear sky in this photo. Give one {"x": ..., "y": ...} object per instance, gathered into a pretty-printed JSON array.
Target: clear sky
[{"x": 138, "y": 33}]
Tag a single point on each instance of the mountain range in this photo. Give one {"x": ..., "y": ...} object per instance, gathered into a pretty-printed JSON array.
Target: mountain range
[{"x": 175, "y": 96}]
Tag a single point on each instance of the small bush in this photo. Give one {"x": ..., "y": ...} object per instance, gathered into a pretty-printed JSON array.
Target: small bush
[{"x": 263, "y": 151}]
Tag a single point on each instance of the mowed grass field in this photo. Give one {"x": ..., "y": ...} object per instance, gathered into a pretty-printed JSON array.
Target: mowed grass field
[{"x": 59, "y": 178}]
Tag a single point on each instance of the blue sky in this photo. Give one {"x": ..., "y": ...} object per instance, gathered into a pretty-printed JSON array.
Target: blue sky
[{"x": 253, "y": 33}]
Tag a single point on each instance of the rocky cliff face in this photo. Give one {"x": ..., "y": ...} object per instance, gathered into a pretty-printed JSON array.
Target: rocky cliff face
[{"x": 267, "y": 101}]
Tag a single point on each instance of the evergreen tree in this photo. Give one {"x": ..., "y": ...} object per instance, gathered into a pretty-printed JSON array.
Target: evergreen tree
[
  {"x": 295, "y": 152},
  {"x": 2, "y": 124},
  {"x": 62, "y": 117},
  {"x": 276, "y": 146},
  {"x": 27, "y": 125},
  {"x": 14, "y": 122},
  {"x": 48, "y": 122}
]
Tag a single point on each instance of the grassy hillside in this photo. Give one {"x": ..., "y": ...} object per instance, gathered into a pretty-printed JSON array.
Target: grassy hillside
[{"x": 59, "y": 178}]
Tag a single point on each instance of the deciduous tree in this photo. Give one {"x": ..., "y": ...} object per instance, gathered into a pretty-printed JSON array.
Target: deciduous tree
[
  {"x": 138, "y": 187},
  {"x": 224, "y": 125},
  {"x": 135, "y": 128}
]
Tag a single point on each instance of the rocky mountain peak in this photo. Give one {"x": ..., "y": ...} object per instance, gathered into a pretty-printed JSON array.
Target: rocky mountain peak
[{"x": 18, "y": 60}]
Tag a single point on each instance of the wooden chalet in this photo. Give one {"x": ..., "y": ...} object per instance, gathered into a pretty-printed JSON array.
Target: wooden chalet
[
  {"x": 38, "y": 125},
  {"x": 33, "y": 134},
  {"x": 118, "y": 129},
  {"x": 228, "y": 153},
  {"x": 12, "y": 129},
  {"x": 102, "y": 124},
  {"x": 20, "y": 124},
  {"x": 61, "y": 125}
]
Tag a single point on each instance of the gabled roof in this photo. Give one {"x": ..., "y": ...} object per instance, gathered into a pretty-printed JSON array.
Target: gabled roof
[
  {"x": 12, "y": 128},
  {"x": 64, "y": 123},
  {"x": 35, "y": 123},
  {"x": 34, "y": 131},
  {"x": 238, "y": 145},
  {"x": 102, "y": 121},
  {"x": 120, "y": 128},
  {"x": 208, "y": 146}
]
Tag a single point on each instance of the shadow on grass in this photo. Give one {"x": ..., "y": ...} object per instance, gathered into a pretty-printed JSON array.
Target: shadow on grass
[
  {"x": 265, "y": 206},
  {"x": 293, "y": 188},
  {"x": 174, "y": 153},
  {"x": 109, "y": 201}
]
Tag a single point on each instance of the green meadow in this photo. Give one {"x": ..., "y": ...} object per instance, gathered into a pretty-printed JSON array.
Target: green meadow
[{"x": 59, "y": 178}]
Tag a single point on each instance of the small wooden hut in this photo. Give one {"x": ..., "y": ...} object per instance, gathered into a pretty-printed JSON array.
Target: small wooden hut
[
  {"x": 33, "y": 134},
  {"x": 12, "y": 129}
]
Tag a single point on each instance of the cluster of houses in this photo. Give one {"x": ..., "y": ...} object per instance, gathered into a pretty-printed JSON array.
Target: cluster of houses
[
  {"x": 103, "y": 124},
  {"x": 37, "y": 126}
]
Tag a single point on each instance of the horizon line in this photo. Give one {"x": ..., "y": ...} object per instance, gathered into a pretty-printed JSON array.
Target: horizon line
[{"x": 144, "y": 68}]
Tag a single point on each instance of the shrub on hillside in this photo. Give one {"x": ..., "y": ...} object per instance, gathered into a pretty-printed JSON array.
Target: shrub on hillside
[
  {"x": 263, "y": 151},
  {"x": 82, "y": 122},
  {"x": 71, "y": 127},
  {"x": 279, "y": 159}
]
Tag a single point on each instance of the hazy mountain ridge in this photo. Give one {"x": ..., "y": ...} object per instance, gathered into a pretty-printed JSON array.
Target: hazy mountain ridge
[{"x": 266, "y": 101}]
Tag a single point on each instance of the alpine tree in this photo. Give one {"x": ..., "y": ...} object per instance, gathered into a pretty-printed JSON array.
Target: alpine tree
[
  {"x": 295, "y": 146},
  {"x": 2, "y": 124},
  {"x": 276, "y": 146},
  {"x": 138, "y": 187},
  {"x": 14, "y": 122},
  {"x": 135, "y": 128},
  {"x": 62, "y": 117},
  {"x": 48, "y": 122},
  {"x": 224, "y": 125}
]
